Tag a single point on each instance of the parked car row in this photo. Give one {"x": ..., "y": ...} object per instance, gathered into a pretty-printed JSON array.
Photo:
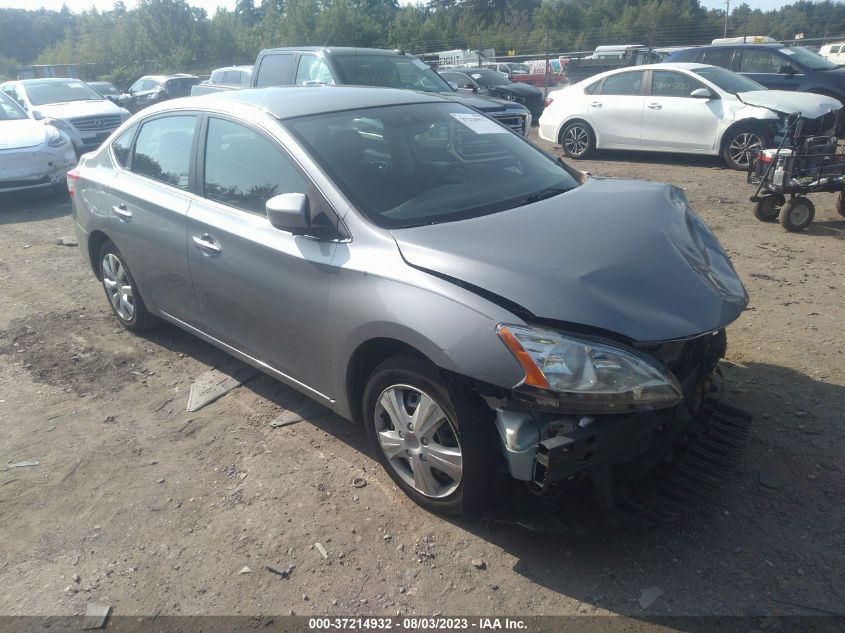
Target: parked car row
[{"x": 70, "y": 105}]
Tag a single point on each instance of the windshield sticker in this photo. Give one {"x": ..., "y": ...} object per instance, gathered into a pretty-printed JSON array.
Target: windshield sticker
[
  {"x": 786, "y": 51},
  {"x": 476, "y": 75},
  {"x": 420, "y": 64},
  {"x": 479, "y": 123}
]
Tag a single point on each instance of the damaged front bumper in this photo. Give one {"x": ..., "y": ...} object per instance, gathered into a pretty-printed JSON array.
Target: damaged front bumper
[{"x": 544, "y": 446}]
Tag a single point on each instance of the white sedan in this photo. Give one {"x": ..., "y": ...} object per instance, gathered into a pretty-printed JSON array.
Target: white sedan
[
  {"x": 683, "y": 108},
  {"x": 32, "y": 155}
]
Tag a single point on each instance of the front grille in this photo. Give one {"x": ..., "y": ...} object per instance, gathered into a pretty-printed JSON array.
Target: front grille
[
  {"x": 516, "y": 122},
  {"x": 96, "y": 123},
  {"x": 685, "y": 357}
]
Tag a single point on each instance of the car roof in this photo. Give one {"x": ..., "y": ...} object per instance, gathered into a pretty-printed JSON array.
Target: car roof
[
  {"x": 287, "y": 102},
  {"x": 47, "y": 80},
  {"x": 340, "y": 50}
]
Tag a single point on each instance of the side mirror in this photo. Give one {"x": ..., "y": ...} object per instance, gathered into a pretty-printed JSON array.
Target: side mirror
[
  {"x": 701, "y": 93},
  {"x": 786, "y": 70},
  {"x": 289, "y": 212}
]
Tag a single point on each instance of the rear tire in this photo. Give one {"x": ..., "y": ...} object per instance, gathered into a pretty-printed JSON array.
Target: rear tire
[
  {"x": 122, "y": 291},
  {"x": 797, "y": 214},
  {"x": 767, "y": 208},
  {"x": 840, "y": 204},
  {"x": 448, "y": 462},
  {"x": 577, "y": 139}
]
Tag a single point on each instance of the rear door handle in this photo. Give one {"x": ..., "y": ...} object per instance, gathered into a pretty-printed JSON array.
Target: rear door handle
[
  {"x": 206, "y": 243},
  {"x": 121, "y": 211},
  {"x": 595, "y": 104},
  {"x": 655, "y": 106}
]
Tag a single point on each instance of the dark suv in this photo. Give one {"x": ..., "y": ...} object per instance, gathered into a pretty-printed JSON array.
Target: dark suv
[
  {"x": 156, "y": 88},
  {"x": 775, "y": 66},
  {"x": 374, "y": 67}
]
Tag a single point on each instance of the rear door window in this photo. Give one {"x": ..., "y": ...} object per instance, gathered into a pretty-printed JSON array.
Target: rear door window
[
  {"x": 163, "y": 150},
  {"x": 243, "y": 169},
  {"x": 629, "y": 83},
  {"x": 275, "y": 70}
]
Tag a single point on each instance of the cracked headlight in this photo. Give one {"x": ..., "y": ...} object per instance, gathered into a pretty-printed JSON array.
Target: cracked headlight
[
  {"x": 56, "y": 138},
  {"x": 588, "y": 376}
]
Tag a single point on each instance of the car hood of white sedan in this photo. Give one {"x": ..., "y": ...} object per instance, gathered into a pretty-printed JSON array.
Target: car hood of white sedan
[
  {"x": 808, "y": 104},
  {"x": 21, "y": 133},
  {"x": 73, "y": 109}
]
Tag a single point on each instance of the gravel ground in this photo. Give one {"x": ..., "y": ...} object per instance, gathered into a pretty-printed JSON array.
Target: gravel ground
[{"x": 137, "y": 504}]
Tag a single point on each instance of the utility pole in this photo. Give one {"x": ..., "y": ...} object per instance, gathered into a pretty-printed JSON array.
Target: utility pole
[{"x": 727, "y": 13}]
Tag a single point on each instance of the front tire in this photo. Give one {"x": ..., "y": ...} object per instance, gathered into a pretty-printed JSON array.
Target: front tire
[
  {"x": 740, "y": 146},
  {"x": 797, "y": 214},
  {"x": 122, "y": 291},
  {"x": 438, "y": 444},
  {"x": 577, "y": 139}
]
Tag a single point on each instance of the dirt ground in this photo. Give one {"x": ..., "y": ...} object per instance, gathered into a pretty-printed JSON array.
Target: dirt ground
[{"x": 138, "y": 504}]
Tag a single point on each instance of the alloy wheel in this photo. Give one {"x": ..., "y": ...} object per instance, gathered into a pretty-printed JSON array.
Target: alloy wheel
[
  {"x": 118, "y": 287},
  {"x": 419, "y": 441},
  {"x": 743, "y": 146},
  {"x": 576, "y": 141}
]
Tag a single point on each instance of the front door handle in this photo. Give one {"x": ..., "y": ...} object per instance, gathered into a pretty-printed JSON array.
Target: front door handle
[
  {"x": 121, "y": 211},
  {"x": 595, "y": 104},
  {"x": 655, "y": 106},
  {"x": 206, "y": 243}
]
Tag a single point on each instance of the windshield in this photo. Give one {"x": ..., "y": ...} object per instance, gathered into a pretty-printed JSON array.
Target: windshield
[
  {"x": 428, "y": 163},
  {"x": 727, "y": 80},
  {"x": 808, "y": 58},
  {"x": 60, "y": 91},
  {"x": 390, "y": 71},
  {"x": 519, "y": 69},
  {"x": 9, "y": 110},
  {"x": 488, "y": 77}
]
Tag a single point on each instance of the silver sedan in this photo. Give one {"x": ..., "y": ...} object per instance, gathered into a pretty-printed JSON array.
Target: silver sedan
[{"x": 408, "y": 262}]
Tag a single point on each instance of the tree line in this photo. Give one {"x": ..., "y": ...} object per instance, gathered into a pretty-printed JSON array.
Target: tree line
[{"x": 164, "y": 36}]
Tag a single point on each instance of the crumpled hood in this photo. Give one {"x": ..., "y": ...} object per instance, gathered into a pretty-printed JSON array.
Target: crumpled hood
[
  {"x": 21, "y": 133},
  {"x": 73, "y": 109},
  {"x": 808, "y": 104},
  {"x": 618, "y": 255}
]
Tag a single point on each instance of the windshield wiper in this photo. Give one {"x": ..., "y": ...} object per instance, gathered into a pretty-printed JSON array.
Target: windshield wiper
[{"x": 548, "y": 192}]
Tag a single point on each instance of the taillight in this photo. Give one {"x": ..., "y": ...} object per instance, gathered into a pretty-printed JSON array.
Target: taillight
[
  {"x": 548, "y": 101},
  {"x": 72, "y": 177}
]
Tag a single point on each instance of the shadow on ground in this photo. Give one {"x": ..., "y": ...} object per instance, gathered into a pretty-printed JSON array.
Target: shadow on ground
[
  {"x": 33, "y": 206},
  {"x": 759, "y": 562}
]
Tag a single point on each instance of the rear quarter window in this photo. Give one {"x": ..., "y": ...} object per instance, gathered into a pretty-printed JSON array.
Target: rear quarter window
[
  {"x": 122, "y": 145},
  {"x": 275, "y": 70}
]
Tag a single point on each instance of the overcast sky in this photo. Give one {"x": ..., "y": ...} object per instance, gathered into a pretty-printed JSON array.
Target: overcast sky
[{"x": 211, "y": 5}]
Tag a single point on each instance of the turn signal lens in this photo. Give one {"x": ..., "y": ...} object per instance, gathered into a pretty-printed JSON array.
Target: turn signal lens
[{"x": 533, "y": 375}]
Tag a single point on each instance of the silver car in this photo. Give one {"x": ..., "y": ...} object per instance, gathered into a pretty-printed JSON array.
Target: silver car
[{"x": 482, "y": 308}]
